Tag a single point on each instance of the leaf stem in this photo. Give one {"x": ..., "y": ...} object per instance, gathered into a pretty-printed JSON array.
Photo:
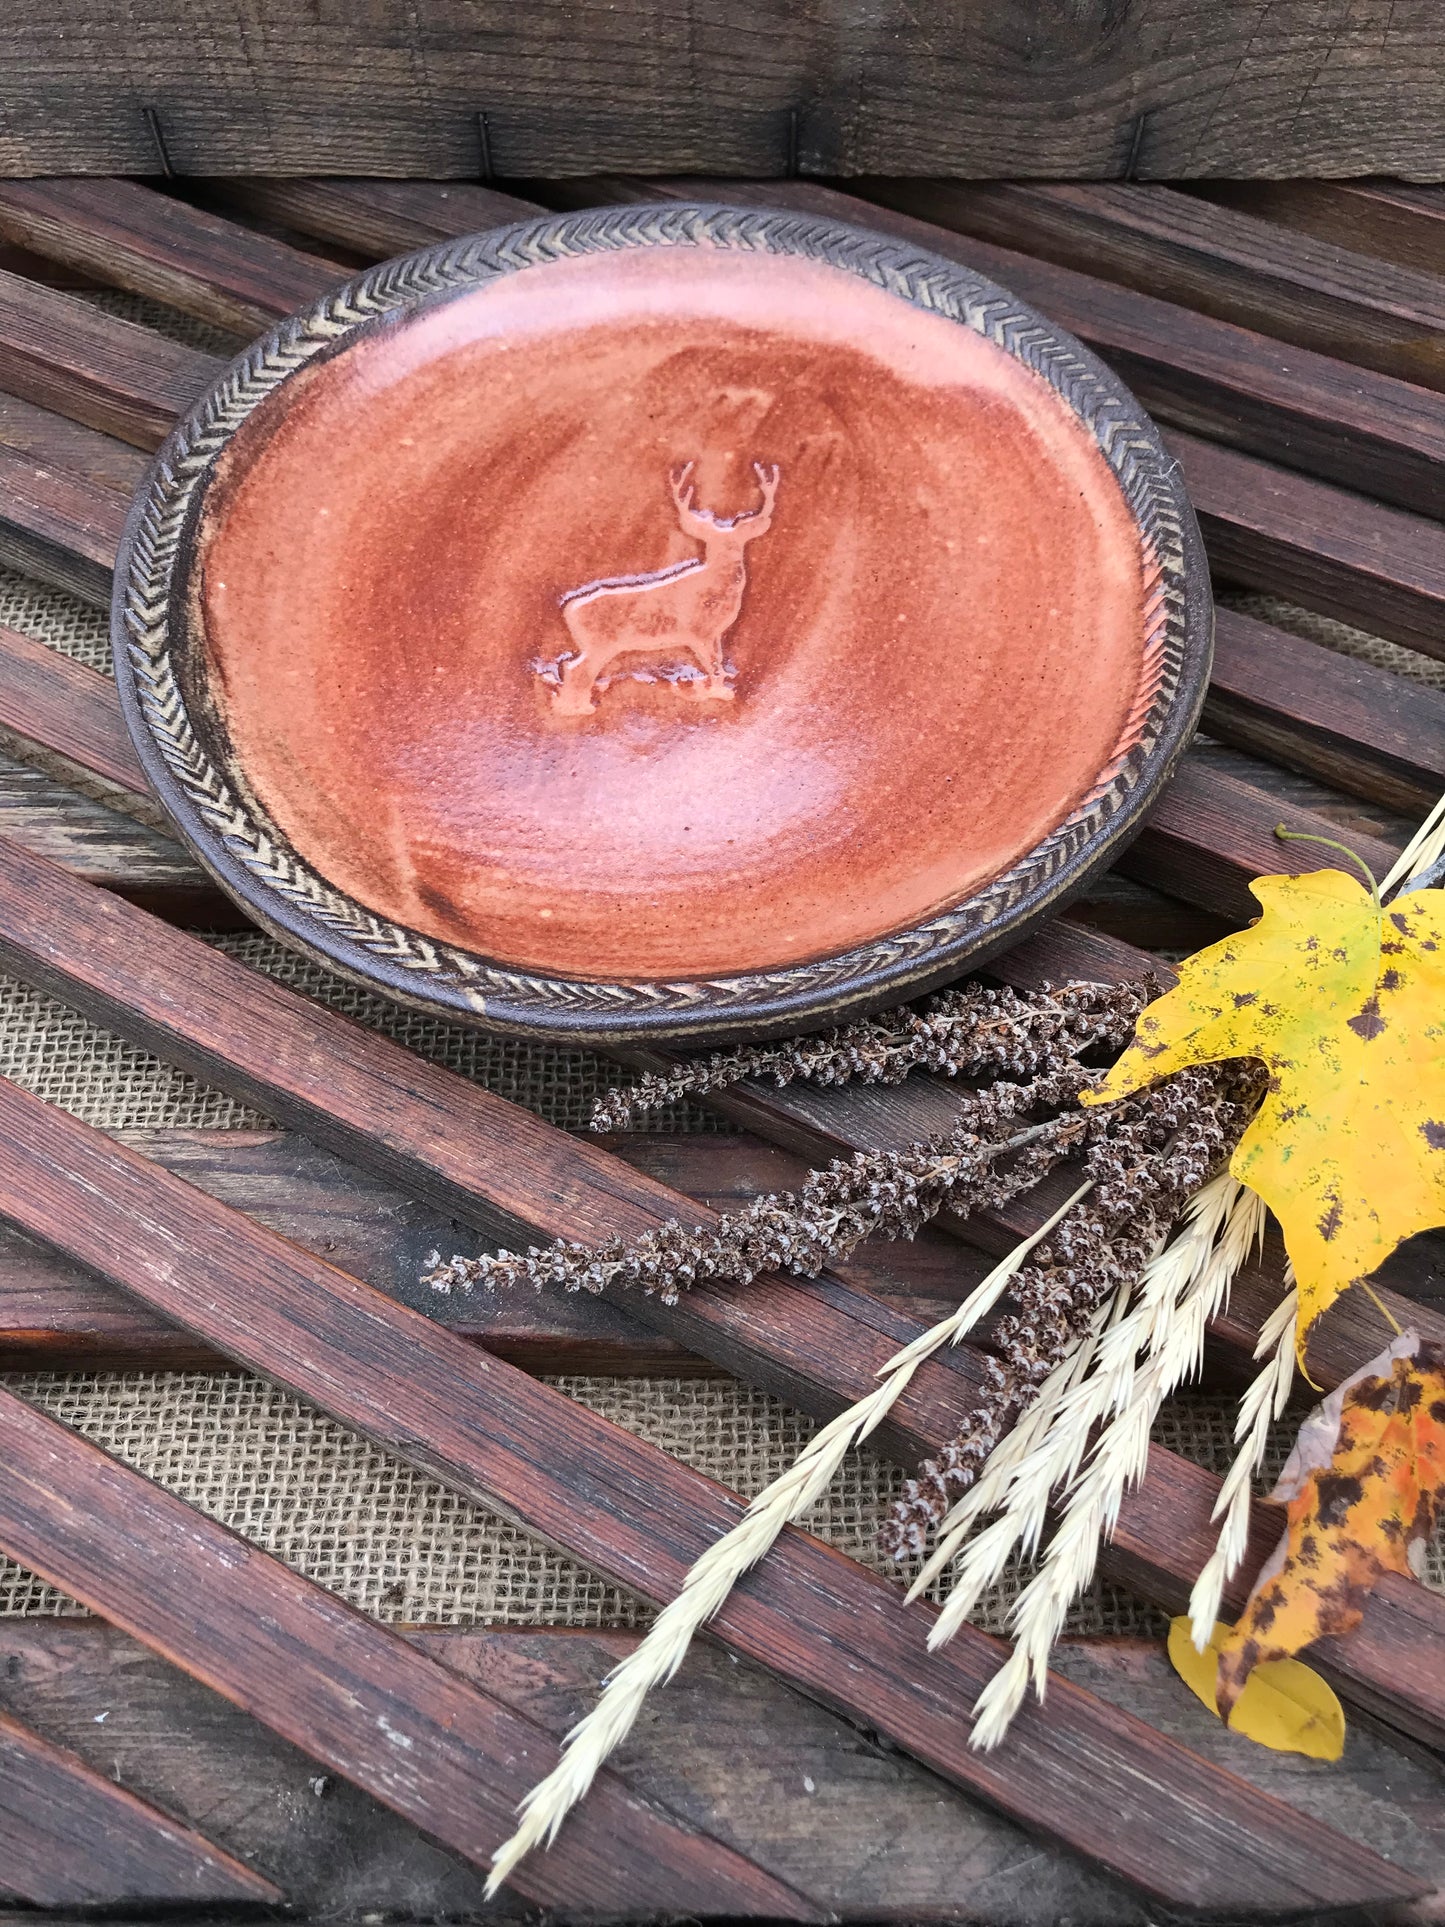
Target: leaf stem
[
  {"x": 1303, "y": 836},
  {"x": 1381, "y": 1307}
]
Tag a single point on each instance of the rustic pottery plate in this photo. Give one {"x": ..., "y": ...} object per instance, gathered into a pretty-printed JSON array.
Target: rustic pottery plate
[{"x": 660, "y": 622}]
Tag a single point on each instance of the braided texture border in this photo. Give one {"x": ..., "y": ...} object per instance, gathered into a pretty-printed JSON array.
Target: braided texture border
[{"x": 151, "y": 596}]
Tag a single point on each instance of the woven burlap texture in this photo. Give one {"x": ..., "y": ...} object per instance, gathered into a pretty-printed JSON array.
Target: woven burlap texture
[{"x": 341, "y": 1510}]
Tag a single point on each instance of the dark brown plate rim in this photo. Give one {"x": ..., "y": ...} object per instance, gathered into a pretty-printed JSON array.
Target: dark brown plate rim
[{"x": 159, "y": 659}]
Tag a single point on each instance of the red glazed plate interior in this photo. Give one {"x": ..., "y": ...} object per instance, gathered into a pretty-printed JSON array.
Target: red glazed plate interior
[{"x": 669, "y": 613}]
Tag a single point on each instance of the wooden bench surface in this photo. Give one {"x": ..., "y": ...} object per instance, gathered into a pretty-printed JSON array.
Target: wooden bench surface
[{"x": 1300, "y": 386}]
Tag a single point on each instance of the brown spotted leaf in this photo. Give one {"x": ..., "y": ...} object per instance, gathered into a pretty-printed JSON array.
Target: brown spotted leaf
[
  {"x": 1346, "y": 1008},
  {"x": 1364, "y": 1489}
]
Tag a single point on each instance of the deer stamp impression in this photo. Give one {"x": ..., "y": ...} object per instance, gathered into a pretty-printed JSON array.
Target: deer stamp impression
[
  {"x": 673, "y": 621},
  {"x": 686, "y": 608}
]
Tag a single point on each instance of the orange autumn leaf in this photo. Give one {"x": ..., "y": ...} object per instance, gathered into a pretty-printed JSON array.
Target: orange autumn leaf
[
  {"x": 1367, "y": 1481},
  {"x": 1345, "y": 1006}
]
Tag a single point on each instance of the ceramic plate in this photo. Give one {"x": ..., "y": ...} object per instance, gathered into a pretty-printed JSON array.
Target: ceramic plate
[{"x": 661, "y": 622}]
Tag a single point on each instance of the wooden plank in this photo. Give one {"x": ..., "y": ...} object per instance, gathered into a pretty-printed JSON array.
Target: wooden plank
[
  {"x": 52, "y": 441},
  {"x": 839, "y": 1633},
  {"x": 62, "y": 528},
  {"x": 1169, "y": 89},
  {"x": 129, "y": 236},
  {"x": 1355, "y": 727},
  {"x": 64, "y": 717},
  {"x": 1210, "y": 833},
  {"x": 71, "y": 1838},
  {"x": 375, "y": 218},
  {"x": 348, "y": 1691},
  {"x": 62, "y": 353},
  {"x": 1384, "y": 219},
  {"x": 1215, "y": 260},
  {"x": 54, "y": 1316},
  {"x": 871, "y": 1837},
  {"x": 1268, "y": 528},
  {"x": 111, "y": 850},
  {"x": 1370, "y": 432}
]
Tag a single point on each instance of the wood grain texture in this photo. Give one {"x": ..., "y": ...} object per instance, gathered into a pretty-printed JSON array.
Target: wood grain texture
[
  {"x": 59, "y": 527},
  {"x": 54, "y": 1316},
  {"x": 128, "y": 236},
  {"x": 375, "y": 218},
  {"x": 46, "y": 815},
  {"x": 1384, "y": 219},
  {"x": 348, "y": 1691},
  {"x": 1298, "y": 89},
  {"x": 824, "y": 1624},
  {"x": 53, "y": 441},
  {"x": 863, "y": 1830},
  {"x": 1355, "y": 727},
  {"x": 1345, "y": 555},
  {"x": 71, "y": 1838},
  {"x": 62, "y": 353},
  {"x": 1219, "y": 261},
  {"x": 65, "y": 718},
  {"x": 1210, "y": 833}
]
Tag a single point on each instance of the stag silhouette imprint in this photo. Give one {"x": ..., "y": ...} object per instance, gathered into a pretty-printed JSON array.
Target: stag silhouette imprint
[{"x": 685, "y": 609}]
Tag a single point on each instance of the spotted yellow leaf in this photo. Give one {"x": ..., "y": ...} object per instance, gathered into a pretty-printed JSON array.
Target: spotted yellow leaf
[
  {"x": 1284, "y": 1703},
  {"x": 1345, "y": 1005},
  {"x": 1364, "y": 1488}
]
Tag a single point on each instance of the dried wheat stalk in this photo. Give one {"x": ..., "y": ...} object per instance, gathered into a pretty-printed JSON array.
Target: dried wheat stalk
[
  {"x": 1184, "y": 1286},
  {"x": 714, "y": 1575}
]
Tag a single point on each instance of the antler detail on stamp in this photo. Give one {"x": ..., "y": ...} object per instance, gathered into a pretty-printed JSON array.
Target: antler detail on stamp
[{"x": 682, "y": 611}]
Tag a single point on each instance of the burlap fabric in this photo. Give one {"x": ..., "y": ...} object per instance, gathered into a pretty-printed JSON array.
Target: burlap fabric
[{"x": 334, "y": 1506}]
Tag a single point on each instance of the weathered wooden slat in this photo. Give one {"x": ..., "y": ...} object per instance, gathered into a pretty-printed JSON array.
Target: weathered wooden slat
[
  {"x": 129, "y": 236},
  {"x": 1345, "y": 555},
  {"x": 63, "y": 353},
  {"x": 1216, "y": 260},
  {"x": 1384, "y": 219},
  {"x": 375, "y": 218},
  {"x": 71, "y": 1838},
  {"x": 395, "y": 89},
  {"x": 59, "y": 527},
  {"x": 53, "y": 441},
  {"x": 873, "y": 1839},
  {"x": 1307, "y": 411},
  {"x": 90, "y": 839},
  {"x": 54, "y": 1316},
  {"x": 1210, "y": 833},
  {"x": 1355, "y": 727},
  {"x": 63, "y": 717},
  {"x": 620, "y": 1505},
  {"x": 350, "y": 1692}
]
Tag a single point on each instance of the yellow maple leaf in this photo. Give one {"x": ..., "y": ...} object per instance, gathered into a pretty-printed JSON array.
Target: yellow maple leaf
[{"x": 1345, "y": 1005}]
